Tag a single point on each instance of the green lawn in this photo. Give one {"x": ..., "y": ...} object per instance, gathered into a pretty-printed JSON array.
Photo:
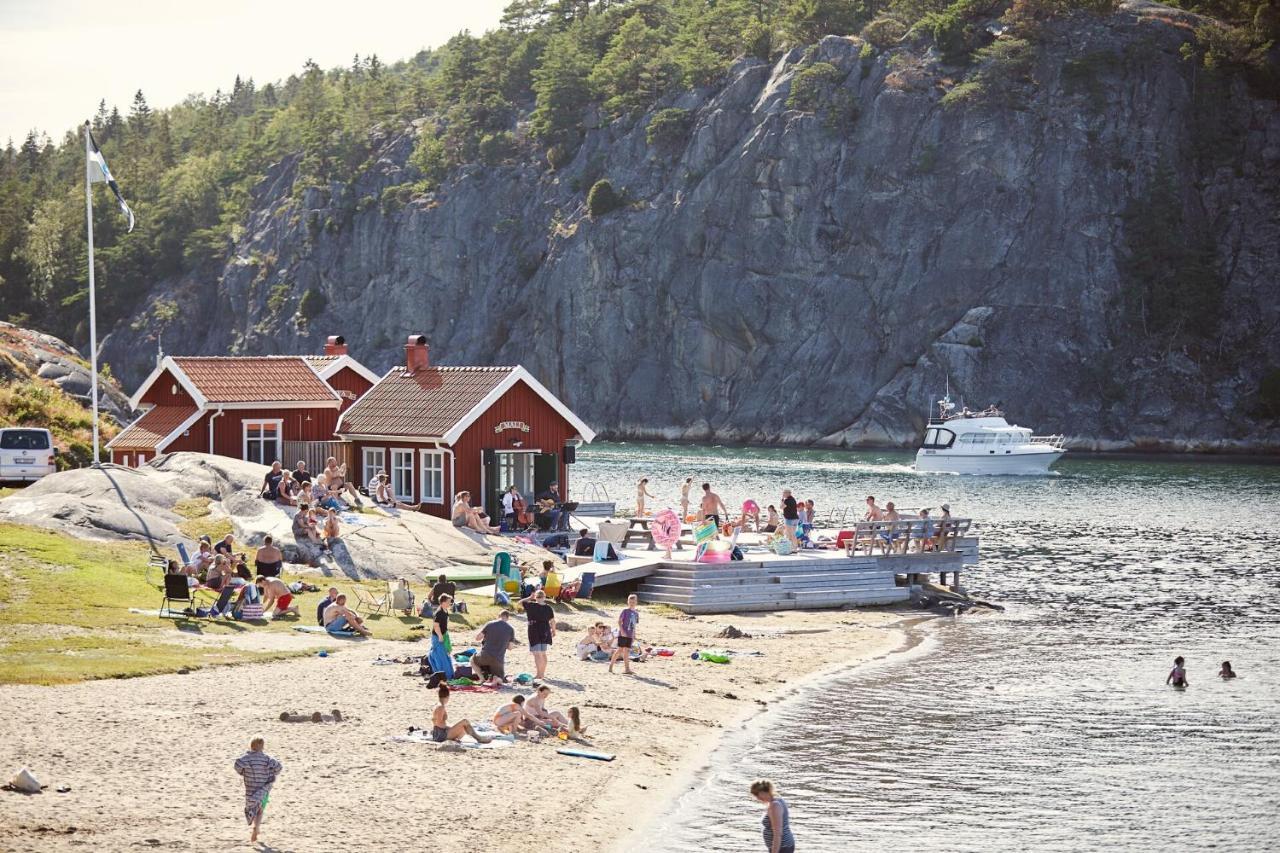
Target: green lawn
[{"x": 64, "y": 613}]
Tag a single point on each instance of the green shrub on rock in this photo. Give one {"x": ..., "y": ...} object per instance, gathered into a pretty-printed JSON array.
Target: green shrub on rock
[
  {"x": 669, "y": 128},
  {"x": 603, "y": 198}
]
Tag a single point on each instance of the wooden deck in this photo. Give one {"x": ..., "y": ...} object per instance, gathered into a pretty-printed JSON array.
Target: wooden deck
[{"x": 764, "y": 581}]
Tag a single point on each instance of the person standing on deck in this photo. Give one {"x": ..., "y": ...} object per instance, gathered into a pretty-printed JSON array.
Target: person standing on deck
[
  {"x": 259, "y": 771},
  {"x": 684, "y": 499},
  {"x": 642, "y": 492},
  {"x": 790, "y": 516},
  {"x": 777, "y": 818},
  {"x": 712, "y": 506}
]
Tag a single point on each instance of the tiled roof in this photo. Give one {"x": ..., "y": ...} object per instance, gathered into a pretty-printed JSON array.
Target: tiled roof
[
  {"x": 256, "y": 379},
  {"x": 152, "y": 428},
  {"x": 427, "y": 403},
  {"x": 321, "y": 361}
]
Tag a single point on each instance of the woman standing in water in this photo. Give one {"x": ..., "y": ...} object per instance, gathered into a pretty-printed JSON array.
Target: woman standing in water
[
  {"x": 777, "y": 818},
  {"x": 1178, "y": 675},
  {"x": 684, "y": 499},
  {"x": 1226, "y": 671},
  {"x": 642, "y": 492}
]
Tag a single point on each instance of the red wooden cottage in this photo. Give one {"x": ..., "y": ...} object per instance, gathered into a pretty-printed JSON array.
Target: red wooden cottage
[
  {"x": 441, "y": 430},
  {"x": 258, "y": 408}
]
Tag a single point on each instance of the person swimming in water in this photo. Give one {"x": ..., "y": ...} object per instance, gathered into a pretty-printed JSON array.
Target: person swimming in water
[
  {"x": 1178, "y": 675},
  {"x": 1226, "y": 672}
]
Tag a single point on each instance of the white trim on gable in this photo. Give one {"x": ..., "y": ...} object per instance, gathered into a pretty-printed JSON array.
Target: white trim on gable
[
  {"x": 518, "y": 374},
  {"x": 347, "y": 361},
  {"x": 167, "y": 363}
]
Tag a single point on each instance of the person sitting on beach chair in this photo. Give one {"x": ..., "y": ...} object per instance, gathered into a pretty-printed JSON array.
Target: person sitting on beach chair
[
  {"x": 275, "y": 593},
  {"x": 338, "y": 619},
  {"x": 203, "y": 558},
  {"x": 511, "y": 717}
]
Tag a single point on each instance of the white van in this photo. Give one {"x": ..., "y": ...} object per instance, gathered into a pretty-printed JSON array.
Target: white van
[{"x": 26, "y": 454}]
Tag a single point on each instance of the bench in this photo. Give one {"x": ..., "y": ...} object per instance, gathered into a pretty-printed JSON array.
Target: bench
[{"x": 899, "y": 537}]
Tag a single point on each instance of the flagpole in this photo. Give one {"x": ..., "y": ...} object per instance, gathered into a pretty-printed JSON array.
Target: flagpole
[{"x": 93, "y": 313}]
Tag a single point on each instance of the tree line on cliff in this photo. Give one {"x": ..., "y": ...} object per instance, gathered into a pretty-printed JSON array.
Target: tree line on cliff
[{"x": 525, "y": 90}]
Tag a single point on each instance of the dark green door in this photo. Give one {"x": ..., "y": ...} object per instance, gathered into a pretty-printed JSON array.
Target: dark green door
[{"x": 546, "y": 470}]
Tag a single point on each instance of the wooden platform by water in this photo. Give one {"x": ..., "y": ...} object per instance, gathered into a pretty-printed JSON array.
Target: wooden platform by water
[{"x": 809, "y": 579}]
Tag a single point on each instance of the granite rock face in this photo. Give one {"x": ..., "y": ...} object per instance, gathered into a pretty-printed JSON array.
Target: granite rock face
[
  {"x": 787, "y": 276},
  {"x": 31, "y": 353}
]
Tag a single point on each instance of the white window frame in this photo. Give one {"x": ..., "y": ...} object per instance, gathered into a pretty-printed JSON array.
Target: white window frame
[
  {"x": 259, "y": 422},
  {"x": 371, "y": 471},
  {"x": 393, "y": 468},
  {"x": 436, "y": 457}
]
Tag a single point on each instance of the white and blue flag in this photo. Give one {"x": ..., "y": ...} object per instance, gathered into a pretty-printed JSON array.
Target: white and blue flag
[{"x": 99, "y": 173}]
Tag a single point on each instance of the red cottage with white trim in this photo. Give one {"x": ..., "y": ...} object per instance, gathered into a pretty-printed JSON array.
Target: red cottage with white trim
[
  {"x": 441, "y": 430},
  {"x": 258, "y": 408}
]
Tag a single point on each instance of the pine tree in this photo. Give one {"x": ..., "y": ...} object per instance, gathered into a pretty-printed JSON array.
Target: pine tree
[
  {"x": 562, "y": 90},
  {"x": 140, "y": 115}
]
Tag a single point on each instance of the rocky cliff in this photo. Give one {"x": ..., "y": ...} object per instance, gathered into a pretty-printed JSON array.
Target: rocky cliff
[{"x": 793, "y": 275}]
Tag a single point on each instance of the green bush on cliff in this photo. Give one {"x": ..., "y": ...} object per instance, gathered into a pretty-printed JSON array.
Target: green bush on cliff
[
  {"x": 669, "y": 128},
  {"x": 812, "y": 86},
  {"x": 602, "y": 198},
  {"x": 312, "y": 304}
]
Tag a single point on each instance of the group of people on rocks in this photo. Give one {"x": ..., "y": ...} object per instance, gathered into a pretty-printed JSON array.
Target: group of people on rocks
[{"x": 222, "y": 569}]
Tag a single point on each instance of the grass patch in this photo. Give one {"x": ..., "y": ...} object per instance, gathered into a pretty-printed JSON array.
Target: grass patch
[
  {"x": 197, "y": 512},
  {"x": 64, "y": 614},
  {"x": 65, "y": 660},
  {"x": 193, "y": 507}
]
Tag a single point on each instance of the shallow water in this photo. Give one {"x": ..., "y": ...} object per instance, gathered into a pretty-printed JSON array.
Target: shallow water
[{"x": 1048, "y": 727}]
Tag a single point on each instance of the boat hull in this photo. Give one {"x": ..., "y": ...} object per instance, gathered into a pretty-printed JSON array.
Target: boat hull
[{"x": 1023, "y": 464}]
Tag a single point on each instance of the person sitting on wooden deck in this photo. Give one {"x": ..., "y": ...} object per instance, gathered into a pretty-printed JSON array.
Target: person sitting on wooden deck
[{"x": 586, "y": 544}]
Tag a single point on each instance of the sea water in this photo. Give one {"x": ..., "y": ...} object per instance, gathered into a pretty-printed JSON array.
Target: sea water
[{"x": 1048, "y": 727}]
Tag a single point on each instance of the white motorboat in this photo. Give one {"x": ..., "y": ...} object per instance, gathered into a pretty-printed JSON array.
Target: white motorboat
[{"x": 983, "y": 442}]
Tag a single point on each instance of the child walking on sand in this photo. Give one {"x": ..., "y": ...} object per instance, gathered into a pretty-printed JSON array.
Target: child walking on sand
[
  {"x": 628, "y": 619},
  {"x": 259, "y": 771}
]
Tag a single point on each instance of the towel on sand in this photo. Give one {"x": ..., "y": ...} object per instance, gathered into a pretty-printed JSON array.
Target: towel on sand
[{"x": 421, "y": 736}]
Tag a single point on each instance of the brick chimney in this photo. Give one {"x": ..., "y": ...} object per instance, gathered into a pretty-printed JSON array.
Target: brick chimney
[
  {"x": 335, "y": 345},
  {"x": 415, "y": 354}
]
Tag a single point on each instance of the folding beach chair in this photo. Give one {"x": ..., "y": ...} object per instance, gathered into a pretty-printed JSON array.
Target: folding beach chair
[
  {"x": 182, "y": 554},
  {"x": 371, "y": 603},
  {"x": 176, "y": 588}
]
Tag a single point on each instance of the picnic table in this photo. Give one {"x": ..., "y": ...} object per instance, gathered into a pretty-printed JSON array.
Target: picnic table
[{"x": 638, "y": 528}]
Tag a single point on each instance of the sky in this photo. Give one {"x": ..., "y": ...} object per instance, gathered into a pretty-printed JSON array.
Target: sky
[{"x": 58, "y": 58}]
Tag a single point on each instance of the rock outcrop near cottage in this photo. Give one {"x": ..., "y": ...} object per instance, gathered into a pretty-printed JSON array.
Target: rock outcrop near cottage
[{"x": 816, "y": 275}]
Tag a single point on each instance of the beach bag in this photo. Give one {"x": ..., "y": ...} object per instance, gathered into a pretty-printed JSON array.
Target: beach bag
[
  {"x": 736, "y": 553},
  {"x": 251, "y": 610}
]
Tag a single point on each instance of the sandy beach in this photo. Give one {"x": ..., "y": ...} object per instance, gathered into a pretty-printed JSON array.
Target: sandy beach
[{"x": 149, "y": 760}]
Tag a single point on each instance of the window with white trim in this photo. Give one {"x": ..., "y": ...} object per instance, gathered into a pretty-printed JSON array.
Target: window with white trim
[
  {"x": 432, "y": 477},
  {"x": 262, "y": 441},
  {"x": 402, "y": 474},
  {"x": 373, "y": 459}
]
